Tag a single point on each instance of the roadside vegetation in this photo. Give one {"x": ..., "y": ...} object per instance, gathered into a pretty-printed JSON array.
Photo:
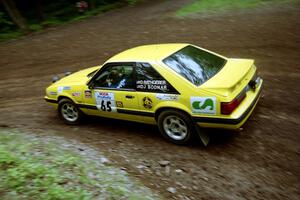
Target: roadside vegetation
[
  {"x": 42, "y": 167},
  {"x": 200, "y": 6},
  {"x": 18, "y": 17}
]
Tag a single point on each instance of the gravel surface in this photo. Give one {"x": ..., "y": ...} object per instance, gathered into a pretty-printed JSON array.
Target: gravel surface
[{"x": 260, "y": 162}]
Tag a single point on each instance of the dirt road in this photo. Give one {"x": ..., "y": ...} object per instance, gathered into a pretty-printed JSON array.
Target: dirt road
[{"x": 261, "y": 162}]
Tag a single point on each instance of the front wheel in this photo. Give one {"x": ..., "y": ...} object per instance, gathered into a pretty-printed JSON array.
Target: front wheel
[
  {"x": 176, "y": 126},
  {"x": 69, "y": 112}
]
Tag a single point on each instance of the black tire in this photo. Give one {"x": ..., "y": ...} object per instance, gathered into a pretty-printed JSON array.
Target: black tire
[
  {"x": 172, "y": 123},
  {"x": 67, "y": 108}
]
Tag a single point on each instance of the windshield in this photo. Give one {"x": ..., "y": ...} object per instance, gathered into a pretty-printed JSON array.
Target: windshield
[{"x": 195, "y": 65}]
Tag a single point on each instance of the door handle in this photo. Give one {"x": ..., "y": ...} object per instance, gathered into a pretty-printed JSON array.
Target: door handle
[{"x": 129, "y": 96}]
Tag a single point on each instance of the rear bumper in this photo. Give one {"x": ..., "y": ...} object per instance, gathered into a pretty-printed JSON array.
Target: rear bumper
[{"x": 231, "y": 123}]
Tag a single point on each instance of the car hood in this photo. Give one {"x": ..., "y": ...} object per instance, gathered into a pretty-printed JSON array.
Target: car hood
[
  {"x": 80, "y": 77},
  {"x": 230, "y": 77}
]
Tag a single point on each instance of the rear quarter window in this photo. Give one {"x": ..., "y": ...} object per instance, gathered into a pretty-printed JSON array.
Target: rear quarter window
[{"x": 149, "y": 80}]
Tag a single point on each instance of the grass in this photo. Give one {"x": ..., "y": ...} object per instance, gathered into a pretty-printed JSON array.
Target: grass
[
  {"x": 200, "y": 6},
  {"x": 33, "y": 167},
  {"x": 10, "y": 35}
]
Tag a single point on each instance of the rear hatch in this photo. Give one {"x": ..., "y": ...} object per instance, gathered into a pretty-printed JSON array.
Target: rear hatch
[{"x": 232, "y": 78}]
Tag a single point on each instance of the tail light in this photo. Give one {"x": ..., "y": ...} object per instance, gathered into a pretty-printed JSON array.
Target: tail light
[{"x": 228, "y": 107}]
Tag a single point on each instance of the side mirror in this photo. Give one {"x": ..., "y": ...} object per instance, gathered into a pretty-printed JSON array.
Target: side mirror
[{"x": 91, "y": 85}]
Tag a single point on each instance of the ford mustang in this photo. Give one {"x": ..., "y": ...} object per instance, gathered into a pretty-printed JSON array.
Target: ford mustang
[{"x": 179, "y": 87}]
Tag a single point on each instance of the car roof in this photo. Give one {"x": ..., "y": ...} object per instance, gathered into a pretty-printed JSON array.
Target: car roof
[{"x": 147, "y": 53}]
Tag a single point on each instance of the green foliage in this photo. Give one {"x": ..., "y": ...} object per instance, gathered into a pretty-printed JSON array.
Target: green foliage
[
  {"x": 10, "y": 35},
  {"x": 50, "y": 22},
  {"x": 32, "y": 168},
  {"x": 4, "y": 21},
  {"x": 199, "y": 6},
  {"x": 132, "y": 2},
  {"x": 8, "y": 29},
  {"x": 54, "y": 13},
  {"x": 35, "y": 27}
]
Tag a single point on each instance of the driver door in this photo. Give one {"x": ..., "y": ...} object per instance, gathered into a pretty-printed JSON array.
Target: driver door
[{"x": 113, "y": 91}]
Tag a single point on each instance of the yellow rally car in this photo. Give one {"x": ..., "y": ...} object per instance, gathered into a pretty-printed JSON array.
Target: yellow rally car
[{"x": 176, "y": 86}]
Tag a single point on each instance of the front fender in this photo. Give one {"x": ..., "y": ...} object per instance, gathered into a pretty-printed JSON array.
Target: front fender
[{"x": 65, "y": 95}]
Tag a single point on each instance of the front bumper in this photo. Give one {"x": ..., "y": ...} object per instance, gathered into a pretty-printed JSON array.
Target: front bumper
[{"x": 49, "y": 100}]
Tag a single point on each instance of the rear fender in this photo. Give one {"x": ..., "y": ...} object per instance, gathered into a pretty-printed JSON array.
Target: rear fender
[
  {"x": 178, "y": 106},
  {"x": 171, "y": 105}
]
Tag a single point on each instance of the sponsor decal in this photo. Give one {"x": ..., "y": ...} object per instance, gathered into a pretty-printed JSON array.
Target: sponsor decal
[
  {"x": 205, "y": 105},
  {"x": 76, "y": 94},
  {"x": 167, "y": 97},
  {"x": 66, "y": 88},
  {"x": 105, "y": 101},
  {"x": 119, "y": 104},
  {"x": 147, "y": 103},
  {"x": 60, "y": 89},
  {"x": 151, "y": 85},
  {"x": 88, "y": 94}
]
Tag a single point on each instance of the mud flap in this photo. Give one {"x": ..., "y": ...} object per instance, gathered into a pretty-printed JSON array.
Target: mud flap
[{"x": 202, "y": 134}]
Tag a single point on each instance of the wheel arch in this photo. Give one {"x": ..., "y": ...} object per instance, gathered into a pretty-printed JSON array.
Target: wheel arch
[
  {"x": 162, "y": 109},
  {"x": 64, "y": 97}
]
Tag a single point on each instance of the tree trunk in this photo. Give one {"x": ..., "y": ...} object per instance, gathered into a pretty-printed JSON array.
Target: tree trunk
[
  {"x": 92, "y": 4},
  {"x": 15, "y": 15},
  {"x": 39, "y": 10}
]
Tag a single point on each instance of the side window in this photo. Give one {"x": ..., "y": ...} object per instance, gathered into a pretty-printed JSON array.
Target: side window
[
  {"x": 116, "y": 76},
  {"x": 149, "y": 80}
]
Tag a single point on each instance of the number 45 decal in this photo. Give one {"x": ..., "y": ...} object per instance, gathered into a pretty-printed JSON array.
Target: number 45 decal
[{"x": 106, "y": 106}]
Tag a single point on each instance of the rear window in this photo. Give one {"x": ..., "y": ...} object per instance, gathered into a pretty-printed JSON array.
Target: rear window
[{"x": 195, "y": 65}]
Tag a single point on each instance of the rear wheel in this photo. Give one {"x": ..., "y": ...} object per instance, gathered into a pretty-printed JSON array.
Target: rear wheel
[
  {"x": 69, "y": 112},
  {"x": 176, "y": 126}
]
